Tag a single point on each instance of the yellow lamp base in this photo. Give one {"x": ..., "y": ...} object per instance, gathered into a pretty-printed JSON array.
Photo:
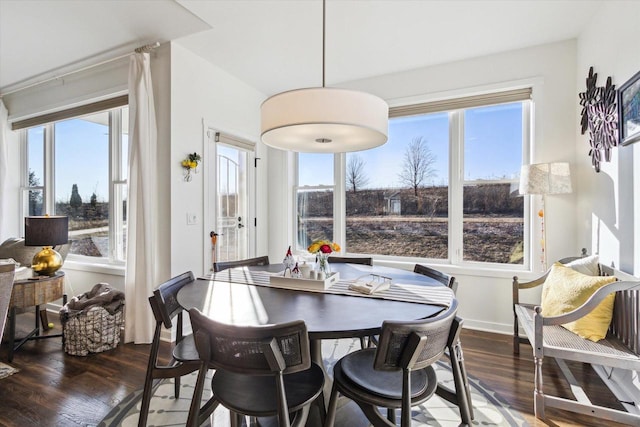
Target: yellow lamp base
[{"x": 46, "y": 262}]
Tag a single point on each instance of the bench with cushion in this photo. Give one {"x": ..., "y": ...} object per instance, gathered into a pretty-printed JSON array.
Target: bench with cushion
[{"x": 615, "y": 345}]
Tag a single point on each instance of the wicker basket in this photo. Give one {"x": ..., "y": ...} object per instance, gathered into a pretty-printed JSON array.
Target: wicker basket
[{"x": 92, "y": 332}]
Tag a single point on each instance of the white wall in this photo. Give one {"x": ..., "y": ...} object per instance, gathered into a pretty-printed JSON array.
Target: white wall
[
  {"x": 203, "y": 93},
  {"x": 609, "y": 209},
  {"x": 485, "y": 295},
  {"x": 607, "y": 201}
]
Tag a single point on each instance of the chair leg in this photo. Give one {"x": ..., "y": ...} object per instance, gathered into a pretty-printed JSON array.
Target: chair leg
[
  {"x": 194, "y": 409},
  {"x": 516, "y": 335},
  {"x": 538, "y": 393},
  {"x": 363, "y": 342},
  {"x": 235, "y": 420},
  {"x": 146, "y": 400},
  {"x": 465, "y": 381},
  {"x": 391, "y": 415},
  {"x": 463, "y": 393},
  {"x": 330, "y": 419},
  {"x": 322, "y": 410}
]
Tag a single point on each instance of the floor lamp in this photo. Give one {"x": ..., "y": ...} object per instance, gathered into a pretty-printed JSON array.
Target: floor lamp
[{"x": 544, "y": 179}]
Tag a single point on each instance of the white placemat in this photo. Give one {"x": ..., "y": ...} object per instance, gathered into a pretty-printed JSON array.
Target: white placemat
[{"x": 437, "y": 295}]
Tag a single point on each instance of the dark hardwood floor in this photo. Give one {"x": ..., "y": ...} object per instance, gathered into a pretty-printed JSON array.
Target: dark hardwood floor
[{"x": 55, "y": 389}]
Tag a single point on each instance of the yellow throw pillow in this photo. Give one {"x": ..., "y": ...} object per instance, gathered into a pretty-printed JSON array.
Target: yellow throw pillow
[{"x": 566, "y": 289}]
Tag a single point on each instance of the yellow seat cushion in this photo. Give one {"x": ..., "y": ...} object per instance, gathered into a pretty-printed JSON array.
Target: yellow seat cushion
[{"x": 565, "y": 289}]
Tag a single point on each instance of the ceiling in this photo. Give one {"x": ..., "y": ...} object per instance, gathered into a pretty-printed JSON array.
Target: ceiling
[{"x": 277, "y": 45}]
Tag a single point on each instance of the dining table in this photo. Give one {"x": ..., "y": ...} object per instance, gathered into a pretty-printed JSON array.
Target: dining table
[{"x": 247, "y": 296}]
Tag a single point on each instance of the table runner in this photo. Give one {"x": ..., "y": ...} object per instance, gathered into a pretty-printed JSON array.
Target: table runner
[{"x": 436, "y": 295}]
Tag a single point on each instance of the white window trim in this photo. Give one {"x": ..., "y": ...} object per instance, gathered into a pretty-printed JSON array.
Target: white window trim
[
  {"x": 48, "y": 186},
  {"x": 456, "y": 167}
]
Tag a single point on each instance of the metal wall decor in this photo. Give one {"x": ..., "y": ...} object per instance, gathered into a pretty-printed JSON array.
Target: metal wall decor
[{"x": 600, "y": 117}]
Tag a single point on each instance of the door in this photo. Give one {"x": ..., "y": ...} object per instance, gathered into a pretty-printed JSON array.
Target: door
[{"x": 233, "y": 218}]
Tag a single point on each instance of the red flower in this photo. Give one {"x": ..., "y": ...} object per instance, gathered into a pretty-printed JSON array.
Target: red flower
[{"x": 326, "y": 249}]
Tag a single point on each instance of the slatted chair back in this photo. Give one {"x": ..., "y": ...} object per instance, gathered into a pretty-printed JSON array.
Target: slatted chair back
[
  {"x": 415, "y": 344},
  {"x": 445, "y": 279},
  {"x": 165, "y": 307},
  {"x": 219, "y": 266},
  {"x": 260, "y": 370},
  {"x": 164, "y": 301},
  {"x": 6, "y": 287},
  {"x": 351, "y": 260},
  {"x": 252, "y": 350}
]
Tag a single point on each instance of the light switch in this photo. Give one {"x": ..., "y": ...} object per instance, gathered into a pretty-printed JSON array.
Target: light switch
[{"x": 192, "y": 218}]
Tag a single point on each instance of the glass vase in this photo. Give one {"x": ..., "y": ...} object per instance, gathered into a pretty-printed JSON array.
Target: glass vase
[{"x": 323, "y": 263}]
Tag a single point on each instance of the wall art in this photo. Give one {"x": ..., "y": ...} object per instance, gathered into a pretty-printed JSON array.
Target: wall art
[
  {"x": 600, "y": 118},
  {"x": 629, "y": 110}
]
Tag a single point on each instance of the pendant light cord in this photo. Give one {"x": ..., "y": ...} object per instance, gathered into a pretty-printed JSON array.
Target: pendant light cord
[{"x": 324, "y": 24}]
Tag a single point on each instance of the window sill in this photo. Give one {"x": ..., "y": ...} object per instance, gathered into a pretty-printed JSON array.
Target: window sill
[
  {"x": 94, "y": 267},
  {"x": 463, "y": 270}
]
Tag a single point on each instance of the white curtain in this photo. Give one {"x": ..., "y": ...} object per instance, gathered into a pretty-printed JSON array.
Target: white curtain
[
  {"x": 4, "y": 164},
  {"x": 142, "y": 226}
]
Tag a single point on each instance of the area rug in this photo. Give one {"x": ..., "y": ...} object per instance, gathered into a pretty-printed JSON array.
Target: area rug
[
  {"x": 6, "y": 370},
  {"x": 489, "y": 408}
]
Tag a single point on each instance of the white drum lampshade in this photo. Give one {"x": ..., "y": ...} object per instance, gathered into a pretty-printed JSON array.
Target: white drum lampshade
[{"x": 324, "y": 120}]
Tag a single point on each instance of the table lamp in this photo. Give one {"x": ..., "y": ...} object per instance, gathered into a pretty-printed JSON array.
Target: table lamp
[
  {"x": 544, "y": 179},
  {"x": 46, "y": 231}
]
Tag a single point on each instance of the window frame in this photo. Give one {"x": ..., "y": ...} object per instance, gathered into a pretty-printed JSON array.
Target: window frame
[
  {"x": 116, "y": 255},
  {"x": 525, "y": 95}
]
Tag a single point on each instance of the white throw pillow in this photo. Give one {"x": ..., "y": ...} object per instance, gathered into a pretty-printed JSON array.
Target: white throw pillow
[{"x": 587, "y": 265}]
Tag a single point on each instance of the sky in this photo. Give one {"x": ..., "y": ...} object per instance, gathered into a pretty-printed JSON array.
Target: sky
[
  {"x": 493, "y": 148},
  {"x": 81, "y": 157}
]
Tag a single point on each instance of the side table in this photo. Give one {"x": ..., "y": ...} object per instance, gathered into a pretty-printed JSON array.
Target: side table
[{"x": 33, "y": 292}]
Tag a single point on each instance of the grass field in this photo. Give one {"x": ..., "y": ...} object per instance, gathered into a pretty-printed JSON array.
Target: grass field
[{"x": 486, "y": 239}]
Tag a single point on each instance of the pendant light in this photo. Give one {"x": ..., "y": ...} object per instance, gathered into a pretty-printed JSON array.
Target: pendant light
[{"x": 324, "y": 120}]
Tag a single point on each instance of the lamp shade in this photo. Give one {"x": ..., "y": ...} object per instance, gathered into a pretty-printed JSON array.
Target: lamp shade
[
  {"x": 324, "y": 120},
  {"x": 545, "y": 178},
  {"x": 46, "y": 230}
]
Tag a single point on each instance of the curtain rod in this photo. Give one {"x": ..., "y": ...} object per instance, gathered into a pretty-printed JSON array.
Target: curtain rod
[{"x": 142, "y": 49}]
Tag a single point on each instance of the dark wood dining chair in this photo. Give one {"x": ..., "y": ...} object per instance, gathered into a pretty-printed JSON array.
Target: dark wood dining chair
[
  {"x": 350, "y": 260},
  {"x": 184, "y": 358},
  {"x": 398, "y": 373},
  {"x": 260, "y": 371},
  {"x": 445, "y": 279},
  {"x": 455, "y": 347},
  {"x": 219, "y": 266}
]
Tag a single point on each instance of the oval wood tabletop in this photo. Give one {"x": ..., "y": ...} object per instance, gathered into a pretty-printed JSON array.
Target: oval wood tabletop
[{"x": 326, "y": 315}]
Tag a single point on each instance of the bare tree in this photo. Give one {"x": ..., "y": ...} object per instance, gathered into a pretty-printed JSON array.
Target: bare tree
[
  {"x": 418, "y": 164},
  {"x": 356, "y": 175}
]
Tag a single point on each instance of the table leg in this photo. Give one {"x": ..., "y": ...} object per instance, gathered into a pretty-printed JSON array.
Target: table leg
[
  {"x": 37, "y": 328},
  {"x": 12, "y": 332}
]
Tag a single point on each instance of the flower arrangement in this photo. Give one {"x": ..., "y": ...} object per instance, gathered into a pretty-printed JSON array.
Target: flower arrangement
[
  {"x": 189, "y": 163},
  {"x": 323, "y": 246},
  {"x": 322, "y": 249}
]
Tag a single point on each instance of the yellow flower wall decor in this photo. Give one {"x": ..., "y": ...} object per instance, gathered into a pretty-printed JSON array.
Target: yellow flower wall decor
[{"x": 190, "y": 163}]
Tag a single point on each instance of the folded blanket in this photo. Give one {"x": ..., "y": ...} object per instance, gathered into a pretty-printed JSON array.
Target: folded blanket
[{"x": 101, "y": 295}]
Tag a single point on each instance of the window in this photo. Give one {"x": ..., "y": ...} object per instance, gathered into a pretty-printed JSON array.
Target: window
[
  {"x": 442, "y": 188},
  {"x": 397, "y": 194},
  {"x": 493, "y": 217},
  {"x": 77, "y": 167},
  {"x": 314, "y": 198}
]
